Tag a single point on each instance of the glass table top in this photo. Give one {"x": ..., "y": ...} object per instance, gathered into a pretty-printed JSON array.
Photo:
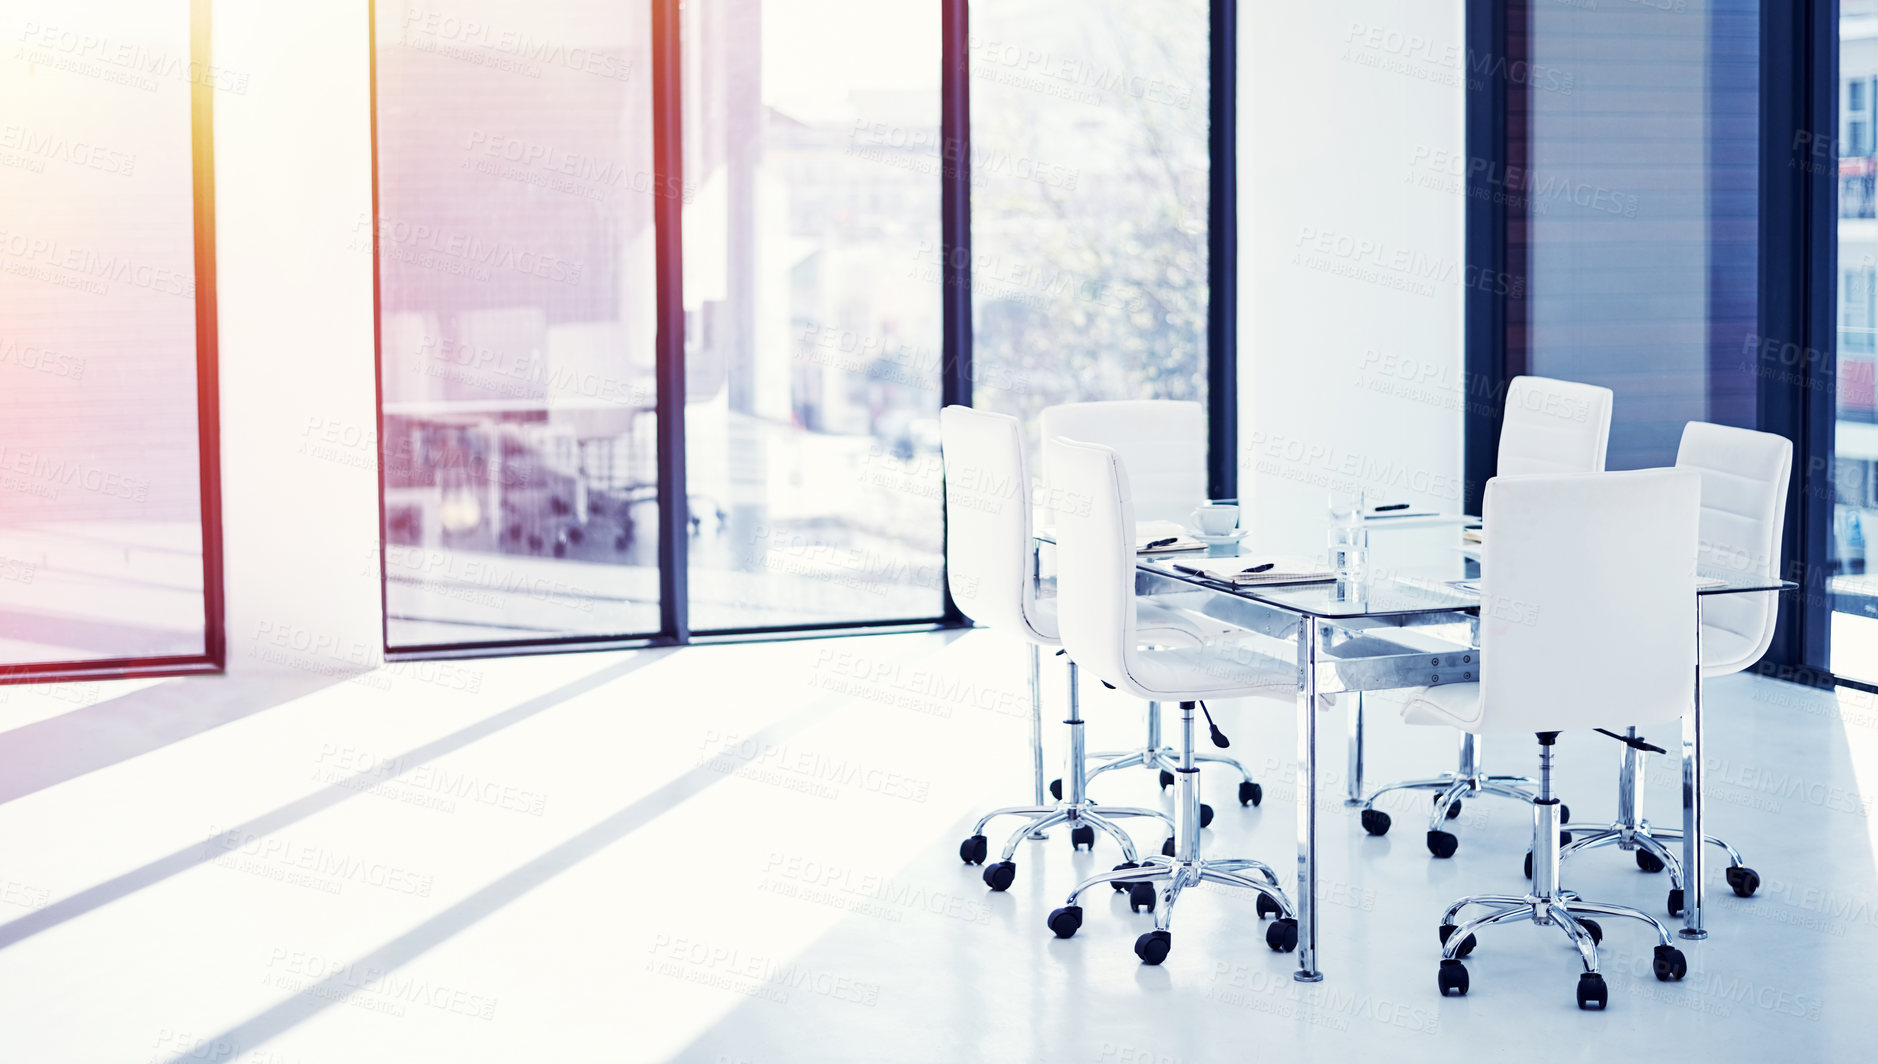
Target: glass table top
[{"x": 1419, "y": 582}]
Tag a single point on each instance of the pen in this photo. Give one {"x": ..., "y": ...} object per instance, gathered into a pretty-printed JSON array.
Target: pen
[
  {"x": 1391, "y": 506},
  {"x": 1168, "y": 542},
  {"x": 1258, "y": 568}
]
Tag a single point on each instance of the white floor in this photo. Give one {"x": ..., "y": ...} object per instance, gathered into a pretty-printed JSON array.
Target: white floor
[{"x": 748, "y": 853}]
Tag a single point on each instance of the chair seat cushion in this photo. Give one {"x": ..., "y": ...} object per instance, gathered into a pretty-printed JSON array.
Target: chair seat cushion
[
  {"x": 1155, "y": 624},
  {"x": 1457, "y": 705}
]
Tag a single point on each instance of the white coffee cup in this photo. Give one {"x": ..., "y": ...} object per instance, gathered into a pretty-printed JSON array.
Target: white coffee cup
[{"x": 1217, "y": 518}]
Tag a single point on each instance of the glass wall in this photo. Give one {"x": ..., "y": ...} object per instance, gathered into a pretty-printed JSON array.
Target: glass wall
[
  {"x": 812, "y": 311},
  {"x": 519, "y": 213},
  {"x": 101, "y": 522},
  {"x": 1853, "y": 581},
  {"x": 516, "y": 329},
  {"x": 1089, "y": 201},
  {"x": 1635, "y": 192}
]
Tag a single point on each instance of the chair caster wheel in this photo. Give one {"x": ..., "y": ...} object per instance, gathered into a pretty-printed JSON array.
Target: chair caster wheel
[
  {"x": 1119, "y": 885},
  {"x": 1167, "y": 848},
  {"x": 1528, "y": 864},
  {"x": 1592, "y": 993},
  {"x": 1675, "y": 902},
  {"x": 1564, "y": 838},
  {"x": 1268, "y": 907},
  {"x": 1375, "y": 821},
  {"x": 1206, "y": 814},
  {"x": 1167, "y": 779},
  {"x": 1442, "y": 844},
  {"x": 1282, "y": 935},
  {"x": 1594, "y": 929},
  {"x": 1250, "y": 793},
  {"x": 1141, "y": 897},
  {"x": 1454, "y": 807},
  {"x": 998, "y": 876},
  {"x": 1080, "y": 836},
  {"x": 1669, "y": 964},
  {"x": 1467, "y": 944},
  {"x": 1152, "y": 947},
  {"x": 1064, "y": 922},
  {"x": 1056, "y": 789},
  {"x": 1452, "y": 979},
  {"x": 1649, "y": 862},
  {"x": 1745, "y": 880},
  {"x": 972, "y": 850},
  {"x": 1564, "y": 813}
]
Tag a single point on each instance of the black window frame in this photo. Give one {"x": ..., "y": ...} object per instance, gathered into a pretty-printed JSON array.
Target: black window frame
[
  {"x": 956, "y": 343},
  {"x": 213, "y": 658},
  {"x": 1798, "y": 208}
]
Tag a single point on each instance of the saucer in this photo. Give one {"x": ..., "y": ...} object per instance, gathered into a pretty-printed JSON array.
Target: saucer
[{"x": 1234, "y": 536}]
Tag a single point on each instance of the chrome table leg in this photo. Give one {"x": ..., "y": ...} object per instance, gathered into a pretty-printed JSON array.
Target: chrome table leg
[{"x": 1309, "y": 632}]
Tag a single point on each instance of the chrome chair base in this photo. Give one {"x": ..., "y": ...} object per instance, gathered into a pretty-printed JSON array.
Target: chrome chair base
[
  {"x": 1083, "y": 816},
  {"x": 1631, "y": 832},
  {"x": 1450, "y": 788},
  {"x": 1164, "y": 760},
  {"x": 1179, "y": 867},
  {"x": 1549, "y": 905}
]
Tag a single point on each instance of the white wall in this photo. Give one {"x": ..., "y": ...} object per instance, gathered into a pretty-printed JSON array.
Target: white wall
[
  {"x": 293, "y": 203},
  {"x": 1351, "y": 269}
]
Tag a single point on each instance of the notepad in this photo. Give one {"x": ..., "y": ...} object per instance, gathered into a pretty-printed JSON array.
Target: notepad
[
  {"x": 1179, "y": 543},
  {"x": 1284, "y": 570}
]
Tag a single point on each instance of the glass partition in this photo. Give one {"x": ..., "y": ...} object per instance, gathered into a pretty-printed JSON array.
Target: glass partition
[
  {"x": 516, "y": 327},
  {"x": 102, "y": 548}
]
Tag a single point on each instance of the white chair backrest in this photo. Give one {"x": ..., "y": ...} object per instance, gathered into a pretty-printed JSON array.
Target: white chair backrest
[
  {"x": 1162, "y": 444},
  {"x": 1553, "y": 426},
  {"x": 1587, "y": 615},
  {"x": 1095, "y": 558},
  {"x": 1744, "y": 511},
  {"x": 990, "y": 560}
]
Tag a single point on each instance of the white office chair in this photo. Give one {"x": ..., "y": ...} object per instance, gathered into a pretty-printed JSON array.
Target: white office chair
[
  {"x": 1549, "y": 426},
  {"x": 1095, "y": 589},
  {"x": 1587, "y": 618},
  {"x": 1744, "y": 508},
  {"x": 992, "y": 573},
  {"x": 1162, "y": 443}
]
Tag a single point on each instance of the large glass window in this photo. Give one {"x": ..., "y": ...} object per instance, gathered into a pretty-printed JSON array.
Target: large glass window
[
  {"x": 516, "y": 287},
  {"x": 1853, "y": 580},
  {"x": 813, "y": 315},
  {"x": 101, "y": 465},
  {"x": 1089, "y": 201},
  {"x": 1635, "y": 191}
]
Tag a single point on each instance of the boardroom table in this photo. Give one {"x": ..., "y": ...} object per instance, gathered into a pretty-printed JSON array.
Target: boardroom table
[{"x": 1414, "y": 623}]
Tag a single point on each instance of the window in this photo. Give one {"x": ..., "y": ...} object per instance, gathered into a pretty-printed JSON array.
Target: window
[
  {"x": 813, "y": 312},
  {"x": 1638, "y": 221},
  {"x": 536, "y": 272},
  {"x": 106, "y": 553},
  {"x": 1853, "y": 584},
  {"x": 1089, "y": 202},
  {"x": 516, "y": 287}
]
